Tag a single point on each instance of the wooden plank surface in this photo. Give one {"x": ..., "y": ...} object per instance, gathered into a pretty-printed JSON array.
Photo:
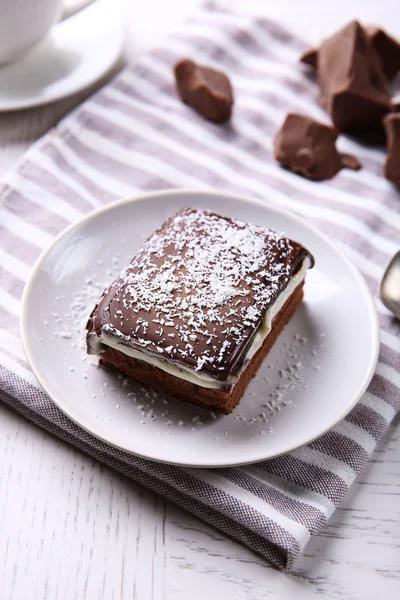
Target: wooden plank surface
[{"x": 73, "y": 529}]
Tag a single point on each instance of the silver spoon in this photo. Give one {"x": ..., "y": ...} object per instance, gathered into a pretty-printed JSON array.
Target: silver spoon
[{"x": 390, "y": 286}]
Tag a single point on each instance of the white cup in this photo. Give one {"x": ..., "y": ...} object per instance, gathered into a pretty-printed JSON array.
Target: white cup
[{"x": 23, "y": 23}]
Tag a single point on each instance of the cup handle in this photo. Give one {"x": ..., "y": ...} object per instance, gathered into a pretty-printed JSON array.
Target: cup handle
[{"x": 70, "y": 9}]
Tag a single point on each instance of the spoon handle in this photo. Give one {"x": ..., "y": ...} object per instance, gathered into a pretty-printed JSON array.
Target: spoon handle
[{"x": 390, "y": 286}]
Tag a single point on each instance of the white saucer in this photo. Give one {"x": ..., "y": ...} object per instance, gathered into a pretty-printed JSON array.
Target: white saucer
[
  {"x": 314, "y": 375},
  {"x": 76, "y": 53}
]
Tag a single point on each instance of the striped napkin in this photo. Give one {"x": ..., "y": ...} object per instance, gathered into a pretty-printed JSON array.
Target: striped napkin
[{"x": 136, "y": 135}]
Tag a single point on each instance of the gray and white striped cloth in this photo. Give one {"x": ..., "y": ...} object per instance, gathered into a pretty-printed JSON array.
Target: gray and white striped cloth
[{"x": 136, "y": 135}]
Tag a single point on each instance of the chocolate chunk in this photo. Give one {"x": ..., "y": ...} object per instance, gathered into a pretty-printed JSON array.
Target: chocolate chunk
[
  {"x": 354, "y": 89},
  {"x": 388, "y": 49},
  {"x": 308, "y": 148},
  {"x": 392, "y": 165},
  {"x": 310, "y": 57},
  {"x": 204, "y": 89}
]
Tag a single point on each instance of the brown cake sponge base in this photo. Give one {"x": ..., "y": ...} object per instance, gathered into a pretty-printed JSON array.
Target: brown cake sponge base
[{"x": 222, "y": 400}]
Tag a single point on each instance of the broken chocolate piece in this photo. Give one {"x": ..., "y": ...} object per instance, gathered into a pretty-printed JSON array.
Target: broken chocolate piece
[
  {"x": 392, "y": 165},
  {"x": 204, "y": 89},
  {"x": 388, "y": 49},
  {"x": 308, "y": 148},
  {"x": 354, "y": 89},
  {"x": 310, "y": 57}
]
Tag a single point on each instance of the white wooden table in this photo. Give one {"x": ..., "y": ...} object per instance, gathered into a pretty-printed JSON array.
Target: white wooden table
[{"x": 72, "y": 529}]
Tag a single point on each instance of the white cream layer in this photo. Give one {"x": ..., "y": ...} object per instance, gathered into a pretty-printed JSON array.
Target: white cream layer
[{"x": 202, "y": 379}]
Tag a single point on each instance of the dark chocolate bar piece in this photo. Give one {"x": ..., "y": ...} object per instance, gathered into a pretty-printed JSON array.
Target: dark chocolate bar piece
[
  {"x": 308, "y": 148},
  {"x": 353, "y": 86},
  {"x": 385, "y": 45},
  {"x": 206, "y": 90},
  {"x": 388, "y": 49}
]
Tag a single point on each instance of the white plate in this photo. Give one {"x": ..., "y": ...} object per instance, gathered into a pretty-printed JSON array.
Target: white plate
[
  {"x": 76, "y": 53},
  {"x": 314, "y": 375}
]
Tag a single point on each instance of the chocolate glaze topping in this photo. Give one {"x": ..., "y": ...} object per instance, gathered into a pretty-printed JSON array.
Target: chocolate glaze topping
[{"x": 197, "y": 290}]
